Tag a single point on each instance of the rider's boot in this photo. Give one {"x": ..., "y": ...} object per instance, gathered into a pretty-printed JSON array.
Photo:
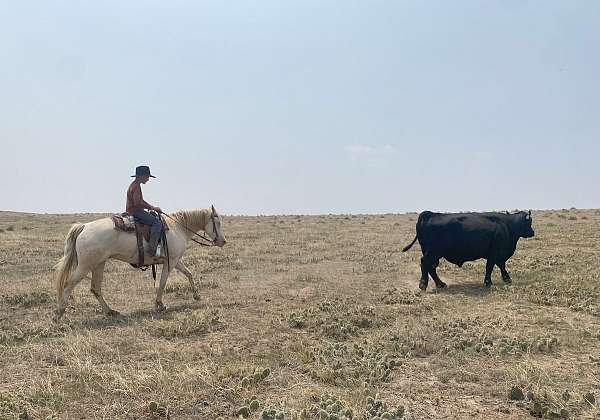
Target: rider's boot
[{"x": 153, "y": 243}]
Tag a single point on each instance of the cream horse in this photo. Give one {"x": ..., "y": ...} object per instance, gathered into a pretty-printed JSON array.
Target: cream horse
[{"x": 88, "y": 246}]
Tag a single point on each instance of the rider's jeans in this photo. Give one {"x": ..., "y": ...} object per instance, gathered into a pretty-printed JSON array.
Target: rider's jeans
[{"x": 148, "y": 219}]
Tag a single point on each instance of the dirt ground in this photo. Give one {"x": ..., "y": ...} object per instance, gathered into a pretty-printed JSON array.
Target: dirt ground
[{"x": 306, "y": 317}]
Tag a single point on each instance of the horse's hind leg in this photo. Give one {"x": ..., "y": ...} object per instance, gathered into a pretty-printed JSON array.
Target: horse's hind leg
[
  {"x": 96, "y": 289},
  {"x": 184, "y": 270},
  {"x": 74, "y": 279}
]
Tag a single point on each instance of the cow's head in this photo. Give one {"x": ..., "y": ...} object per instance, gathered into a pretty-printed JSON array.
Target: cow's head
[{"x": 526, "y": 231}]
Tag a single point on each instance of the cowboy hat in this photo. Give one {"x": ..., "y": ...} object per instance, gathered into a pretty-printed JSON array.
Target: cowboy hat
[{"x": 142, "y": 171}]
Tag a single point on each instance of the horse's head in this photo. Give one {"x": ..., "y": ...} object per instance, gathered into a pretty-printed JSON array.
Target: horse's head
[{"x": 213, "y": 228}]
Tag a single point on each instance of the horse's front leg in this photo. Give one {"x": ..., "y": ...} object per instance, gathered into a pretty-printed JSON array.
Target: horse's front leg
[
  {"x": 164, "y": 275},
  {"x": 184, "y": 270}
]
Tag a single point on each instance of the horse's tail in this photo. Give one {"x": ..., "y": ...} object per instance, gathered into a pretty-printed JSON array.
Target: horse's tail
[{"x": 68, "y": 262}]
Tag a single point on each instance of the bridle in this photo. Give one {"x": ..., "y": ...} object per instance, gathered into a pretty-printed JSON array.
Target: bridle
[{"x": 211, "y": 242}]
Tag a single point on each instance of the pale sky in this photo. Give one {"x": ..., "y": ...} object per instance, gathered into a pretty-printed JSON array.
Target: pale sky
[{"x": 296, "y": 107}]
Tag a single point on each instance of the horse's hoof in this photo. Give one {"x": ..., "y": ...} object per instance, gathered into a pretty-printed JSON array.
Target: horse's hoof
[
  {"x": 57, "y": 315},
  {"x": 441, "y": 285},
  {"x": 487, "y": 284},
  {"x": 507, "y": 280},
  {"x": 112, "y": 312},
  {"x": 423, "y": 286},
  {"x": 196, "y": 297}
]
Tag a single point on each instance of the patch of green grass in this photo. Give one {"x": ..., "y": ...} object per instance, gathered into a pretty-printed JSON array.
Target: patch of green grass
[
  {"x": 335, "y": 319},
  {"x": 14, "y": 337},
  {"x": 28, "y": 299},
  {"x": 158, "y": 410},
  {"x": 394, "y": 296},
  {"x": 544, "y": 395},
  {"x": 577, "y": 292},
  {"x": 187, "y": 324},
  {"x": 11, "y": 405},
  {"x": 11, "y": 338},
  {"x": 177, "y": 288}
]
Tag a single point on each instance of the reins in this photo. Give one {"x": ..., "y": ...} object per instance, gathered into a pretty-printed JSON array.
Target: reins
[{"x": 211, "y": 243}]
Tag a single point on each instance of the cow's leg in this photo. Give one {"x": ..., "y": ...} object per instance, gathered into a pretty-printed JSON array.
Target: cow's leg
[
  {"x": 489, "y": 267},
  {"x": 426, "y": 266},
  {"x": 434, "y": 275},
  {"x": 184, "y": 270},
  {"x": 164, "y": 275},
  {"x": 96, "y": 289},
  {"x": 505, "y": 275}
]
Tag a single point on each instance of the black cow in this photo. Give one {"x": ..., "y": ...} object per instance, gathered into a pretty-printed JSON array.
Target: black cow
[{"x": 461, "y": 237}]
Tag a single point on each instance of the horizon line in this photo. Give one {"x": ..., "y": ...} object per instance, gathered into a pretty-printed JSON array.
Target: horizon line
[{"x": 312, "y": 214}]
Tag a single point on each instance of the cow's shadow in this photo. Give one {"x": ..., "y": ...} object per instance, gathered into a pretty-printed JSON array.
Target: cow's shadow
[{"x": 468, "y": 288}]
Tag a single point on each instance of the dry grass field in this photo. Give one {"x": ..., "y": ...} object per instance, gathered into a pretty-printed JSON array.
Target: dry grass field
[{"x": 307, "y": 318}]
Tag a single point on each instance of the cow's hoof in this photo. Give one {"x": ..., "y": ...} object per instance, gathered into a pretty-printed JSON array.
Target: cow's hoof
[
  {"x": 441, "y": 285},
  {"x": 423, "y": 286},
  {"x": 196, "y": 296},
  {"x": 487, "y": 284},
  {"x": 507, "y": 280},
  {"x": 112, "y": 312},
  {"x": 161, "y": 307}
]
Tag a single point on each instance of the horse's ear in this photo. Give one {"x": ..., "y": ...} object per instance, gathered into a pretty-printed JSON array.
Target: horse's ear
[{"x": 213, "y": 209}]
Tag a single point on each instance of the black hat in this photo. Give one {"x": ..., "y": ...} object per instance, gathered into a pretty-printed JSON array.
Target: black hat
[{"x": 142, "y": 171}]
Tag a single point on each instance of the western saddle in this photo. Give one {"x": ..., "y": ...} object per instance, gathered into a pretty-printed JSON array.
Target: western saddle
[{"x": 126, "y": 222}]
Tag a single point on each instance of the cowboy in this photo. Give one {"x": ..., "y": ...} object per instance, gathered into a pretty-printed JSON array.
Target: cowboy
[{"x": 137, "y": 206}]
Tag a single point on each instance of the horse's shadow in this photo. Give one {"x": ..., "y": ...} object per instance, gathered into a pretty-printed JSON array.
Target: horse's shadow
[{"x": 136, "y": 317}]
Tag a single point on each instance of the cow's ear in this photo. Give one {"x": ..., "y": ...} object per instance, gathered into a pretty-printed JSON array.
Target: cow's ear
[{"x": 530, "y": 214}]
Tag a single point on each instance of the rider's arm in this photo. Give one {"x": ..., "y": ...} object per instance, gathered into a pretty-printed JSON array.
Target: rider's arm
[{"x": 138, "y": 200}]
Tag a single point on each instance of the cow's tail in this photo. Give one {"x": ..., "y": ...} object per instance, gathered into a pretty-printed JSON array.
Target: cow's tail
[
  {"x": 423, "y": 217},
  {"x": 68, "y": 262},
  {"x": 407, "y": 247}
]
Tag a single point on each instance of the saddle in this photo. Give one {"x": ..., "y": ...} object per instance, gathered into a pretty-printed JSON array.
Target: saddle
[{"x": 126, "y": 222}]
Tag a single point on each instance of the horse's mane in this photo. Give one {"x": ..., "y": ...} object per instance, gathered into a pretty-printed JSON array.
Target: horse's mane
[{"x": 192, "y": 219}]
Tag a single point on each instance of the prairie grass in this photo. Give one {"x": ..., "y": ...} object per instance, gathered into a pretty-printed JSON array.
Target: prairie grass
[{"x": 303, "y": 317}]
